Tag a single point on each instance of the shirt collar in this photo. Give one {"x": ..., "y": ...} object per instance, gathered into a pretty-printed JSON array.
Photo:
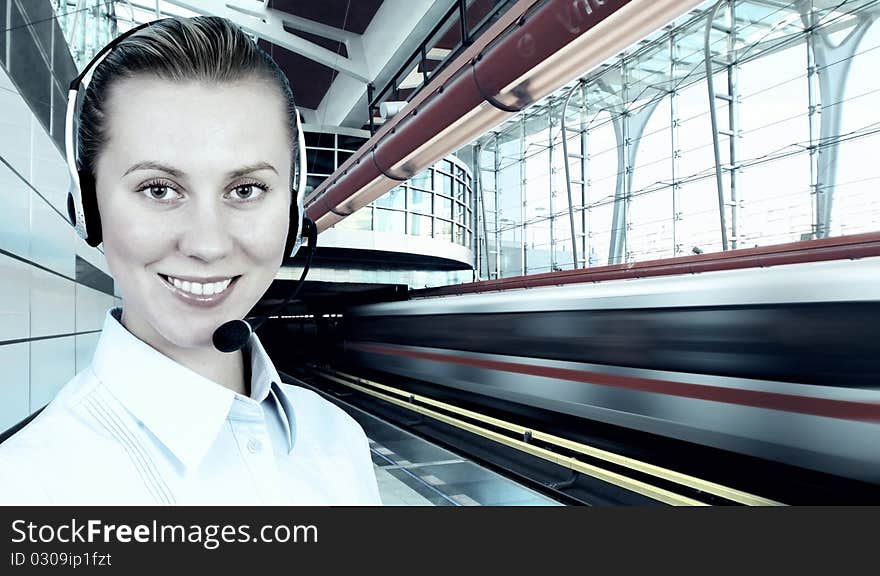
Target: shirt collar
[
  {"x": 265, "y": 381},
  {"x": 183, "y": 409}
]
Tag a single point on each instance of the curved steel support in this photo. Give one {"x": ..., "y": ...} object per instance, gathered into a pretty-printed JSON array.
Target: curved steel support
[
  {"x": 628, "y": 130},
  {"x": 568, "y": 174},
  {"x": 713, "y": 114},
  {"x": 832, "y": 66}
]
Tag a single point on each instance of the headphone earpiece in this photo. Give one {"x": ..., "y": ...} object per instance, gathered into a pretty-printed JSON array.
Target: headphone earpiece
[
  {"x": 91, "y": 213},
  {"x": 295, "y": 232},
  {"x": 82, "y": 199}
]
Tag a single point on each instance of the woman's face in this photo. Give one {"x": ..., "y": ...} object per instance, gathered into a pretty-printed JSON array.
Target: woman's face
[{"x": 193, "y": 190}]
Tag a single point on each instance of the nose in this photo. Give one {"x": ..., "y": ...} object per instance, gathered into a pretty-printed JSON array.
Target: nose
[{"x": 206, "y": 236}]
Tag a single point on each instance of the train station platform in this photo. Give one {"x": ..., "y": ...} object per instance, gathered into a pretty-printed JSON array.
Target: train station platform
[{"x": 414, "y": 472}]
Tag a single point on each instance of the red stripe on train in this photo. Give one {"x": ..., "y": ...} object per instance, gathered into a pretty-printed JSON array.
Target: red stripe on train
[{"x": 845, "y": 409}]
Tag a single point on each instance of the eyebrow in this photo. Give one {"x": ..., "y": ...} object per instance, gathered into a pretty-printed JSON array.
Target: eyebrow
[{"x": 177, "y": 173}]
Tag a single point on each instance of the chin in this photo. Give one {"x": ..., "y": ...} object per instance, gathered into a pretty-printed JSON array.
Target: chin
[{"x": 187, "y": 331}]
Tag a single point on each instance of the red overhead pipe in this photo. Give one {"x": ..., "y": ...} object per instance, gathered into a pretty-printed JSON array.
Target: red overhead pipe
[{"x": 549, "y": 44}]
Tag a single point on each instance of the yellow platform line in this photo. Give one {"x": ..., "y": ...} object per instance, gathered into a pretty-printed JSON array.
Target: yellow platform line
[
  {"x": 569, "y": 462},
  {"x": 656, "y": 471}
]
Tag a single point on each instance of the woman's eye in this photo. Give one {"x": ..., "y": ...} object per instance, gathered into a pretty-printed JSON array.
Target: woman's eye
[
  {"x": 159, "y": 192},
  {"x": 247, "y": 191}
]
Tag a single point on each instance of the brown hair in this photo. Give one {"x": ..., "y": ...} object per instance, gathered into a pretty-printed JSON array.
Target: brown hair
[{"x": 204, "y": 48}]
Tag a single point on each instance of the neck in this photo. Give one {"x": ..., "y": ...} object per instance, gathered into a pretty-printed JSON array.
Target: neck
[{"x": 225, "y": 369}]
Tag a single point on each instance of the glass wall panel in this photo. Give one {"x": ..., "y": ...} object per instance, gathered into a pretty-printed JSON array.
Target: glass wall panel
[
  {"x": 360, "y": 220},
  {"x": 419, "y": 225},
  {"x": 394, "y": 198},
  {"x": 390, "y": 221},
  {"x": 419, "y": 201},
  {"x": 443, "y": 229},
  {"x": 320, "y": 161},
  {"x": 423, "y": 180},
  {"x": 445, "y": 184},
  {"x": 460, "y": 236}
]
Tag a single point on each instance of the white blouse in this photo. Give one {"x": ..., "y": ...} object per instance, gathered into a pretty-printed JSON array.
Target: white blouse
[{"x": 136, "y": 427}]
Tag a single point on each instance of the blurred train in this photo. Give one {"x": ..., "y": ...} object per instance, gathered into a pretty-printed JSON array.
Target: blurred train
[{"x": 781, "y": 362}]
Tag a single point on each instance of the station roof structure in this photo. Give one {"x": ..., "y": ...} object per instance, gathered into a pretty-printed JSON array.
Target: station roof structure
[{"x": 340, "y": 54}]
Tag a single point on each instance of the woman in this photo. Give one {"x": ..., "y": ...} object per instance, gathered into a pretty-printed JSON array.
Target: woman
[{"x": 189, "y": 132}]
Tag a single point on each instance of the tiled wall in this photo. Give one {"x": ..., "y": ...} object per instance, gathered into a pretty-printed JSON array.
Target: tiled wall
[{"x": 54, "y": 289}]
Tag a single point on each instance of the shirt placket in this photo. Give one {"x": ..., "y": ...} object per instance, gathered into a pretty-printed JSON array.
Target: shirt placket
[{"x": 251, "y": 434}]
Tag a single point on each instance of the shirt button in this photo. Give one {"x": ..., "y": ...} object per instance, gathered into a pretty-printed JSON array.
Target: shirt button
[{"x": 254, "y": 446}]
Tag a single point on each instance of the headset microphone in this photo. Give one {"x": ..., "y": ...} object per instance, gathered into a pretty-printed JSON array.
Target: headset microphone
[{"x": 233, "y": 335}]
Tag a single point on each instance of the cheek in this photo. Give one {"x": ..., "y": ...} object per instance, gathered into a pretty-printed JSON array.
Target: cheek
[
  {"x": 133, "y": 238},
  {"x": 262, "y": 238}
]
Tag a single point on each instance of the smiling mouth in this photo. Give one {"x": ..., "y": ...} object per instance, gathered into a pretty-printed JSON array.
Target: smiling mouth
[{"x": 200, "y": 292}]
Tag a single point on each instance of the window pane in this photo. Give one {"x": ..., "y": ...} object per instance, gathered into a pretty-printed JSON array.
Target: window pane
[
  {"x": 342, "y": 156},
  {"x": 422, "y": 180},
  {"x": 389, "y": 221},
  {"x": 445, "y": 184},
  {"x": 394, "y": 198},
  {"x": 459, "y": 191},
  {"x": 459, "y": 213},
  {"x": 350, "y": 142},
  {"x": 320, "y": 161},
  {"x": 459, "y": 235},
  {"x": 419, "y": 201},
  {"x": 313, "y": 182},
  {"x": 318, "y": 140},
  {"x": 419, "y": 225},
  {"x": 444, "y": 207},
  {"x": 443, "y": 230},
  {"x": 360, "y": 220}
]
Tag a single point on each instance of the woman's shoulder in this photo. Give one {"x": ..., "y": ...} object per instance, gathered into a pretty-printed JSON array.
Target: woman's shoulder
[
  {"x": 55, "y": 428},
  {"x": 57, "y": 456}
]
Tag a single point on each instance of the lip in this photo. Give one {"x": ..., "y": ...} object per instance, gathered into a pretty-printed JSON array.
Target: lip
[
  {"x": 200, "y": 301},
  {"x": 201, "y": 280}
]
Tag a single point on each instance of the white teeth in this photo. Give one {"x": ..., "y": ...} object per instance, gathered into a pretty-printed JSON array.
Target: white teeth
[{"x": 199, "y": 289}]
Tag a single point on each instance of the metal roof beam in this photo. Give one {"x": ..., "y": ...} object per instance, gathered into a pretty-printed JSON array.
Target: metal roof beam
[{"x": 268, "y": 24}]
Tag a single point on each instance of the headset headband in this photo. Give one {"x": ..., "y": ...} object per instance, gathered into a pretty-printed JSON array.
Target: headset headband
[{"x": 79, "y": 178}]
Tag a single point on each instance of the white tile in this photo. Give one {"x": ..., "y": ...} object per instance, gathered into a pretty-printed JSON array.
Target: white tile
[
  {"x": 53, "y": 364},
  {"x": 15, "y": 119},
  {"x": 15, "y": 215},
  {"x": 91, "y": 255},
  {"x": 14, "y": 299},
  {"x": 53, "y": 304},
  {"x": 52, "y": 239},
  {"x": 91, "y": 308},
  {"x": 14, "y": 360},
  {"x": 49, "y": 173}
]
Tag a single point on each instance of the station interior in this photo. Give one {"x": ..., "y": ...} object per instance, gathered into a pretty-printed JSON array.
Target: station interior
[{"x": 586, "y": 252}]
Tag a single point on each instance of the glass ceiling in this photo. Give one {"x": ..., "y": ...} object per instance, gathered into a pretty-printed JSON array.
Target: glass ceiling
[{"x": 645, "y": 71}]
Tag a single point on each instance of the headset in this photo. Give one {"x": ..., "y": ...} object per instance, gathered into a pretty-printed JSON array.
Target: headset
[{"x": 82, "y": 204}]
